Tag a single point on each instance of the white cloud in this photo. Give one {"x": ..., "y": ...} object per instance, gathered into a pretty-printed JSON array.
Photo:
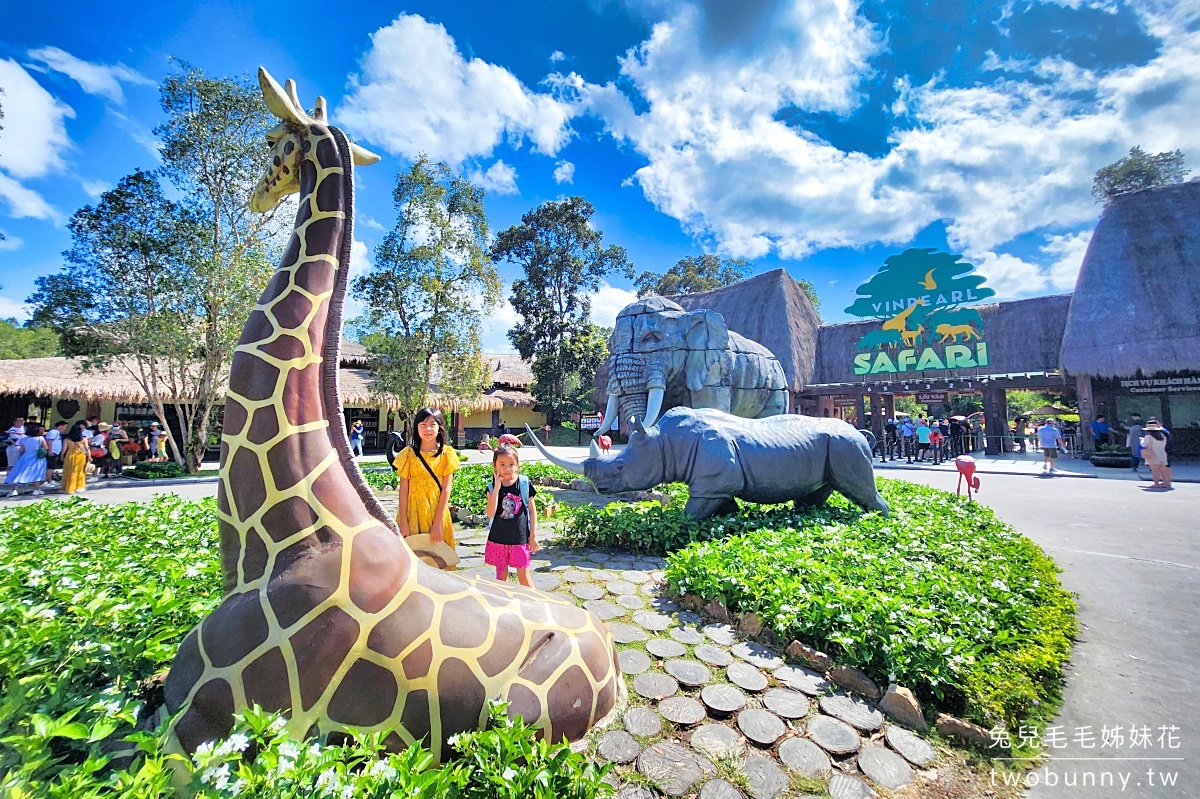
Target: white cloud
[
  {"x": 94, "y": 188},
  {"x": 98, "y": 79},
  {"x": 499, "y": 178},
  {"x": 564, "y": 172},
  {"x": 608, "y": 302},
  {"x": 557, "y": 56},
  {"x": 23, "y": 202},
  {"x": 1010, "y": 276},
  {"x": 417, "y": 94},
  {"x": 34, "y": 141},
  {"x": 360, "y": 264},
  {"x": 10, "y": 242},
  {"x": 13, "y": 309},
  {"x": 493, "y": 335}
]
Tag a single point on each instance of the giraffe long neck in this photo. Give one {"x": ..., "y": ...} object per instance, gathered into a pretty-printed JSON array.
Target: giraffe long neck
[{"x": 286, "y": 470}]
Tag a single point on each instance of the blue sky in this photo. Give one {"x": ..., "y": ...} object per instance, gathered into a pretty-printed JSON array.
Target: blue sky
[{"x": 817, "y": 136}]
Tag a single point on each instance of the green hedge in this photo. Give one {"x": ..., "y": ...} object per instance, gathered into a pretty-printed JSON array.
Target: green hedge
[
  {"x": 155, "y": 471},
  {"x": 470, "y": 482},
  {"x": 941, "y": 597}
]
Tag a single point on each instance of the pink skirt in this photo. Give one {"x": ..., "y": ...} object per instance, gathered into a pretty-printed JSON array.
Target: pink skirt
[{"x": 504, "y": 555}]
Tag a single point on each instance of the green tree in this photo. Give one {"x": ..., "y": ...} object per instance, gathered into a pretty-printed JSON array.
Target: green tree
[
  {"x": 1138, "y": 170},
  {"x": 563, "y": 260},
  {"x": 26, "y": 342},
  {"x": 428, "y": 289},
  {"x": 193, "y": 269}
]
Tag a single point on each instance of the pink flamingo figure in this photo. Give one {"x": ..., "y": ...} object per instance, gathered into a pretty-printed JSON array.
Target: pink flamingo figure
[
  {"x": 605, "y": 443},
  {"x": 966, "y": 468},
  {"x": 509, "y": 438}
]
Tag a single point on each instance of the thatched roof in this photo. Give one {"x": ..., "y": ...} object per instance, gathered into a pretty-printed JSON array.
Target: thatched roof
[
  {"x": 773, "y": 310},
  {"x": 509, "y": 370},
  {"x": 1137, "y": 299},
  {"x": 1023, "y": 338},
  {"x": 353, "y": 353}
]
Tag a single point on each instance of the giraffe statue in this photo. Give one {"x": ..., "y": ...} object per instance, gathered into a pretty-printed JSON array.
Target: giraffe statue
[
  {"x": 327, "y": 615},
  {"x": 899, "y": 323}
]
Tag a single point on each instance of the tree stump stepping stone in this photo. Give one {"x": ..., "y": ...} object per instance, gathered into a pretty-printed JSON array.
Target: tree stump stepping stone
[
  {"x": 804, "y": 757},
  {"x": 619, "y": 587},
  {"x": 746, "y": 677},
  {"x": 912, "y": 747},
  {"x": 722, "y": 634},
  {"x": 852, "y": 710},
  {"x": 631, "y": 601},
  {"x": 618, "y": 746},
  {"x": 665, "y": 648},
  {"x": 681, "y": 710},
  {"x": 626, "y": 633},
  {"x": 655, "y": 622},
  {"x": 632, "y": 791},
  {"x": 800, "y": 679},
  {"x": 673, "y": 768},
  {"x": 662, "y": 604},
  {"x": 835, "y": 737},
  {"x": 689, "y": 673},
  {"x": 605, "y": 611},
  {"x": 597, "y": 555},
  {"x": 587, "y": 591},
  {"x": 885, "y": 767},
  {"x": 764, "y": 779},
  {"x": 642, "y": 722},
  {"x": 687, "y": 635},
  {"x": 652, "y": 685},
  {"x": 757, "y": 655},
  {"x": 633, "y": 661},
  {"x": 760, "y": 726},
  {"x": 723, "y": 700},
  {"x": 717, "y": 741},
  {"x": 719, "y": 789},
  {"x": 632, "y": 576},
  {"x": 690, "y": 617},
  {"x": 786, "y": 703},
  {"x": 713, "y": 655},
  {"x": 649, "y": 589},
  {"x": 843, "y": 786},
  {"x": 575, "y": 576}
]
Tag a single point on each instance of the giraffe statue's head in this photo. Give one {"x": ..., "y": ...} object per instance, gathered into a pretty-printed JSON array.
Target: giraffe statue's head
[{"x": 290, "y": 142}]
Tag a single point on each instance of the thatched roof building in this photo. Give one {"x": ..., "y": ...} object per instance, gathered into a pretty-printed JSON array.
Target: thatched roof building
[{"x": 1137, "y": 302}]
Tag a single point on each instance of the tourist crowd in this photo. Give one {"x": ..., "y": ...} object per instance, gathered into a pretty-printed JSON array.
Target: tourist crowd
[{"x": 63, "y": 455}]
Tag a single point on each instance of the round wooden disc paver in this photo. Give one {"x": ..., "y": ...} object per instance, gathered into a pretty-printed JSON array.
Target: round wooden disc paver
[
  {"x": 843, "y": 786},
  {"x": 575, "y": 576},
  {"x": 804, "y": 757},
  {"x": 681, "y": 710},
  {"x": 801, "y": 679},
  {"x": 722, "y": 634},
  {"x": 717, "y": 741},
  {"x": 618, "y": 746},
  {"x": 757, "y": 655},
  {"x": 665, "y": 648},
  {"x": 713, "y": 655},
  {"x": 690, "y": 617},
  {"x": 835, "y": 737},
  {"x": 597, "y": 555},
  {"x": 635, "y": 576},
  {"x": 632, "y": 791},
  {"x": 626, "y": 633},
  {"x": 764, "y": 779},
  {"x": 633, "y": 661},
  {"x": 656, "y": 622},
  {"x": 690, "y": 673},
  {"x": 723, "y": 699},
  {"x": 604, "y": 610},
  {"x": 587, "y": 591},
  {"x": 746, "y": 677},
  {"x": 619, "y": 587},
  {"x": 545, "y": 582},
  {"x": 853, "y": 711},
  {"x": 631, "y": 601},
  {"x": 786, "y": 702},
  {"x": 650, "y": 589},
  {"x": 912, "y": 747},
  {"x": 642, "y": 722},
  {"x": 687, "y": 635},
  {"x": 719, "y": 789},
  {"x": 760, "y": 726},
  {"x": 663, "y": 604},
  {"x": 673, "y": 768},
  {"x": 655, "y": 686},
  {"x": 885, "y": 767}
]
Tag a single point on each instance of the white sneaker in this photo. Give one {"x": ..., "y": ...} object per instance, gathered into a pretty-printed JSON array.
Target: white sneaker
[
  {"x": 13, "y": 494},
  {"x": 37, "y": 493}
]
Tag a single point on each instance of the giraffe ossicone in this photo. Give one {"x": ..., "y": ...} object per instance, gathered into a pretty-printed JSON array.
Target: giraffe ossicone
[{"x": 327, "y": 615}]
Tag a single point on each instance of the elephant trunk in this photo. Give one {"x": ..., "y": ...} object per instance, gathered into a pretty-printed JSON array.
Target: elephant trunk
[{"x": 639, "y": 384}]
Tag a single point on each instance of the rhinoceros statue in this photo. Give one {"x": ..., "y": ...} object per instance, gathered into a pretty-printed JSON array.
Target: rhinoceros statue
[{"x": 720, "y": 457}]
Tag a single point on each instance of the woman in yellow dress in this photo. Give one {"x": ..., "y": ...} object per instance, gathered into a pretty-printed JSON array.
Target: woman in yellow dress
[
  {"x": 424, "y": 504},
  {"x": 75, "y": 460}
]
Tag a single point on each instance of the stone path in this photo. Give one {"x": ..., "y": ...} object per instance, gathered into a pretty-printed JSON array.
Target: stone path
[{"x": 709, "y": 714}]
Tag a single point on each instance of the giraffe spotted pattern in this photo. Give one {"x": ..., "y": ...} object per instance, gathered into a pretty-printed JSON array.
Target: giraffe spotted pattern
[{"x": 328, "y": 616}]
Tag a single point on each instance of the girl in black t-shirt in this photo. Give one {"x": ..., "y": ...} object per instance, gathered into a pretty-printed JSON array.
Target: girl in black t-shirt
[{"x": 512, "y": 517}]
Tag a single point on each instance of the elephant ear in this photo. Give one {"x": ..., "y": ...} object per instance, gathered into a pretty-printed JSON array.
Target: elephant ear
[{"x": 706, "y": 330}]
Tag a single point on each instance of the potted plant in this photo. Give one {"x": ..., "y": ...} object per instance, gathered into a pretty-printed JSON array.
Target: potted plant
[{"x": 1113, "y": 456}]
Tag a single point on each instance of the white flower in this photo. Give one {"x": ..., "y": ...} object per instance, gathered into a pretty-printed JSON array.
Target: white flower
[
  {"x": 381, "y": 768},
  {"x": 453, "y": 739},
  {"x": 289, "y": 749},
  {"x": 204, "y": 750},
  {"x": 192, "y": 572},
  {"x": 237, "y": 787},
  {"x": 509, "y": 773},
  {"x": 48, "y": 613},
  {"x": 328, "y": 780},
  {"x": 234, "y": 743},
  {"x": 348, "y": 792}
]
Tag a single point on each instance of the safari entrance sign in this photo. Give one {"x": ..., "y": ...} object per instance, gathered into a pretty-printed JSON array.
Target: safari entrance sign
[{"x": 922, "y": 297}]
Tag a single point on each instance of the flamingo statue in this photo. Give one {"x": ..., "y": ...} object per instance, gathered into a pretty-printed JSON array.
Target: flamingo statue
[{"x": 966, "y": 468}]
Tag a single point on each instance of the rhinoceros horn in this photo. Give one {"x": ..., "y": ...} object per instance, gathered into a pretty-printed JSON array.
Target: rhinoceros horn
[{"x": 569, "y": 465}]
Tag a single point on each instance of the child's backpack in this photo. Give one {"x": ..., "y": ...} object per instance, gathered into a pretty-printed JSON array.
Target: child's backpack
[{"x": 523, "y": 486}]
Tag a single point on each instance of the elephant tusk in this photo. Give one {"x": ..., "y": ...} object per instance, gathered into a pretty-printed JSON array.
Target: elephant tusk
[
  {"x": 653, "y": 406},
  {"x": 570, "y": 466},
  {"x": 610, "y": 415}
]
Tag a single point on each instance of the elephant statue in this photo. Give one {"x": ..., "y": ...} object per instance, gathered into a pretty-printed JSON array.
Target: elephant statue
[{"x": 661, "y": 357}]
